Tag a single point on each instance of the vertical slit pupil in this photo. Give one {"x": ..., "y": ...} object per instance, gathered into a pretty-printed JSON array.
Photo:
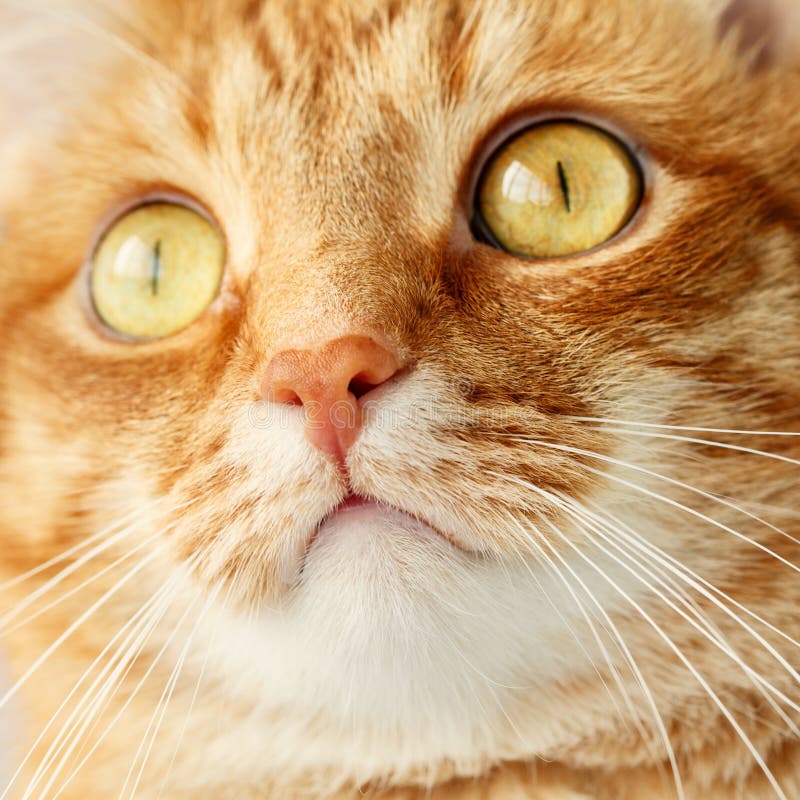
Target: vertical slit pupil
[
  {"x": 562, "y": 179},
  {"x": 156, "y": 267}
]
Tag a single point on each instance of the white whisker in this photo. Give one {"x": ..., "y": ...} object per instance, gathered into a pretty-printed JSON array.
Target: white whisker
[
  {"x": 675, "y": 503},
  {"x": 90, "y": 705},
  {"x": 631, "y": 661},
  {"x": 115, "y": 681},
  {"x": 82, "y": 545},
  {"x": 4, "y": 621},
  {"x": 732, "y": 431},
  {"x": 164, "y": 701},
  {"x": 132, "y": 623},
  {"x": 692, "y": 669},
  {"x": 699, "y": 579},
  {"x": 77, "y": 623},
  {"x": 195, "y": 695},
  {"x": 701, "y": 624},
  {"x": 706, "y": 442}
]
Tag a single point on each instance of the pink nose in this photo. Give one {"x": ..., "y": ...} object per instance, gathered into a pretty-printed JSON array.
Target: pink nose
[{"x": 328, "y": 381}]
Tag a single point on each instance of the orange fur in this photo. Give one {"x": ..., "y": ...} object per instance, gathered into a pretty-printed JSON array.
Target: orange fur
[{"x": 336, "y": 145}]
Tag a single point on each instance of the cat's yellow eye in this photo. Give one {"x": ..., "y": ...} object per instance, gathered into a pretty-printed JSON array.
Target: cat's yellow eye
[
  {"x": 156, "y": 271},
  {"x": 557, "y": 189}
]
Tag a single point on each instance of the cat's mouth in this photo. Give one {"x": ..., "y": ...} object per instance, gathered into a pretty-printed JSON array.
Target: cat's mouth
[{"x": 367, "y": 513}]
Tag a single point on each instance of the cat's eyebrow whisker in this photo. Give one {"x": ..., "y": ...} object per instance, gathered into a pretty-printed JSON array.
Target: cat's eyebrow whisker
[
  {"x": 123, "y": 660},
  {"x": 686, "y": 662},
  {"x": 621, "y": 644},
  {"x": 669, "y": 500}
]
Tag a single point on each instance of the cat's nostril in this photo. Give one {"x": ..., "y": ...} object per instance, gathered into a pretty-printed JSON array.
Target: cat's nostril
[{"x": 361, "y": 385}]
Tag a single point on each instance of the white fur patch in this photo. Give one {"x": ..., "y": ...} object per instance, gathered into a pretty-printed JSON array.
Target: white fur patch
[{"x": 398, "y": 650}]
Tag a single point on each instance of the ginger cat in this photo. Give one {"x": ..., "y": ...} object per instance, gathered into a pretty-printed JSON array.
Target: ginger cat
[{"x": 400, "y": 398}]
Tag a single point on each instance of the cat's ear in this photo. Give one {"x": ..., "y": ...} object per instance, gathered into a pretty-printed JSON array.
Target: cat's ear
[{"x": 767, "y": 32}]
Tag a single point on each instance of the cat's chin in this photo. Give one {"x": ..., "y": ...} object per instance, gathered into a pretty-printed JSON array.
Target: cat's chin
[
  {"x": 373, "y": 543},
  {"x": 357, "y": 521},
  {"x": 384, "y": 600}
]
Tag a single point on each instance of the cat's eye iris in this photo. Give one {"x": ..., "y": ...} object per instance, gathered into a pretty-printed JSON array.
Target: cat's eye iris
[
  {"x": 557, "y": 189},
  {"x": 156, "y": 271}
]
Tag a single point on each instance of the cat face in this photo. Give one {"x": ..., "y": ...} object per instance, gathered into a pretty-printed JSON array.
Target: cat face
[{"x": 412, "y": 503}]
